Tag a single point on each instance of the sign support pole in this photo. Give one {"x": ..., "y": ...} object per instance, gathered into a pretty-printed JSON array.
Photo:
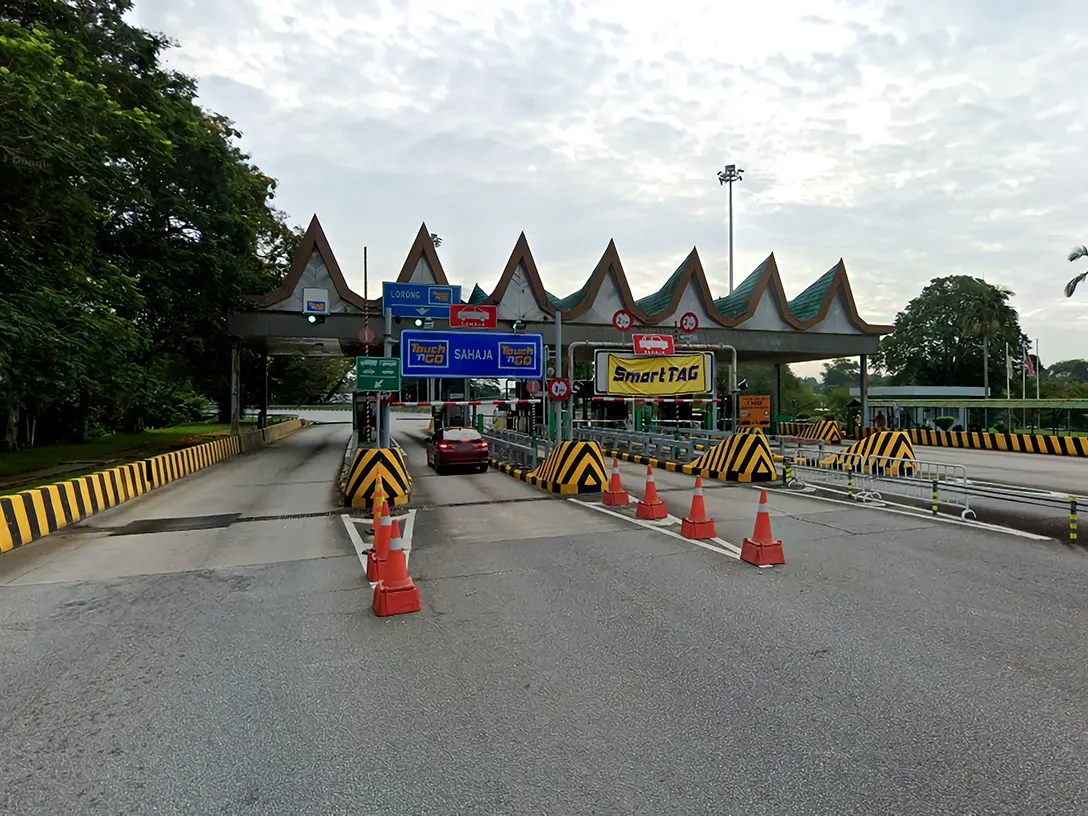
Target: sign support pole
[
  {"x": 558, "y": 373},
  {"x": 384, "y": 420}
]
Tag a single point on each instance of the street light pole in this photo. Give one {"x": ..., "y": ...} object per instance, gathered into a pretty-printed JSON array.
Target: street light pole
[{"x": 730, "y": 174}]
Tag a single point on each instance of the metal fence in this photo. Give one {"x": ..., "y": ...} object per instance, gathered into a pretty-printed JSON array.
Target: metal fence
[
  {"x": 516, "y": 448},
  {"x": 870, "y": 478},
  {"x": 675, "y": 447}
]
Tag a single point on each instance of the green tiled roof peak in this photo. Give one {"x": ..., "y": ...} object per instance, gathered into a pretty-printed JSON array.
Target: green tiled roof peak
[
  {"x": 478, "y": 295},
  {"x": 740, "y": 301},
  {"x": 660, "y": 300},
  {"x": 807, "y": 304}
]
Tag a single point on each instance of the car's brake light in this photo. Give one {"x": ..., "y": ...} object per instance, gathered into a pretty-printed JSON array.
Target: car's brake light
[
  {"x": 481, "y": 443},
  {"x": 445, "y": 446}
]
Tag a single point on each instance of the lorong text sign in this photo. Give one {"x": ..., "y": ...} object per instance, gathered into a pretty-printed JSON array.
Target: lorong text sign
[{"x": 471, "y": 354}]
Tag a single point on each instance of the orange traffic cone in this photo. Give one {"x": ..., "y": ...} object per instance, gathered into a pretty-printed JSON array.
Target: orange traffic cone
[
  {"x": 379, "y": 553},
  {"x": 761, "y": 549},
  {"x": 616, "y": 496},
  {"x": 396, "y": 593},
  {"x": 696, "y": 525},
  {"x": 376, "y": 511},
  {"x": 650, "y": 507}
]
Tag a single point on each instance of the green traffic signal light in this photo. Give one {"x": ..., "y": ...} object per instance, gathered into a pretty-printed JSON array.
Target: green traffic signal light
[{"x": 315, "y": 319}]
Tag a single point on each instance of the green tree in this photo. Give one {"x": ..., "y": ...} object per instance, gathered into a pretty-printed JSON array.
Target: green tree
[
  {"x": 933, "y": 343},
  {"x": 797, "y": 395},
  {"x": 1070, "y": 370},
  {"x": 842, "y": 373},
  {"x": 130, "y": 224},
  {"x": 985, "y": 315}
]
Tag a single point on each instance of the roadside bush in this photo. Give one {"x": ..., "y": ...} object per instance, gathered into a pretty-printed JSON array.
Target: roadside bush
[{"x": 945, "y": 423}]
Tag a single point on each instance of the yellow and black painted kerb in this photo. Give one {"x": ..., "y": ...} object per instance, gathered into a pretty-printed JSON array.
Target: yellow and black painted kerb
[
  {"x": 654, "y": 462},
  {"x": 1009, "y": 442},
  {"x": 371, "y": 467},
  {"x": 740, "y": 458},
  {"x": 890, "y": 452},
  {"x": 826, "y": 430},
  {"x": 571, "y": 469},
  {"x": 32, "y": 514}
]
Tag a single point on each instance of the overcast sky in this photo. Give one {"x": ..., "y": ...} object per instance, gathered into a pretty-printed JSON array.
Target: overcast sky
[{"x": 913, "y": 139}]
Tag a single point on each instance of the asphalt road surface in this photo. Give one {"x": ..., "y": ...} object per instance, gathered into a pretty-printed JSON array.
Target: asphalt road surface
[{"x": 565, "y": 661}]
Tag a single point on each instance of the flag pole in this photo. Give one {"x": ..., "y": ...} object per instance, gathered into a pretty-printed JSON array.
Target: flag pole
[
  {"x": 1008, "y": 383},
  {"x": 1024, "y": 384},
  {"x": 1038, "y": 370}
]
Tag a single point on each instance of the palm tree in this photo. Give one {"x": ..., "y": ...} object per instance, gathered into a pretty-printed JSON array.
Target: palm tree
[
  {"x": 1076, "y": 254},
  {"x": 987, "y": 315}
]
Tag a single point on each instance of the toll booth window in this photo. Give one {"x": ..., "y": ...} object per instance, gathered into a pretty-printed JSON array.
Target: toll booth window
[{"x": 460, "y": 434}]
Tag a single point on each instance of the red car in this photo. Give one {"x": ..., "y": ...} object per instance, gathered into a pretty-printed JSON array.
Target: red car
[{"x": 453, "y": 447}]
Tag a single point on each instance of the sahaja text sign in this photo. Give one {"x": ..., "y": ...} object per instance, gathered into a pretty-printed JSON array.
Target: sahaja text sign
[
  {"x": 456, "y": 355},
  {"x": 665, "y": 376}
]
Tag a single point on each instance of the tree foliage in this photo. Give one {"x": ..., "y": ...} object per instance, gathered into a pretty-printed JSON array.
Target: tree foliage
[
  {"x": 938, "y": 337},
  {"x": 130, "y": 224}
]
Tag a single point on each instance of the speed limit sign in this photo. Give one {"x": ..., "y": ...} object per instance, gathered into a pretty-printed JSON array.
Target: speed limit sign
[
  {"x": 623, "y": 320},
  {"x": 559, "y": 388}
]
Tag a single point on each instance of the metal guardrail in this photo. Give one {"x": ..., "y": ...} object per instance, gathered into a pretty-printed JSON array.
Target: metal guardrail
[
  {"x": 676, "y": 447},
  {"x": 516, "y": 448},
  {"x": 870, "y": 478}
]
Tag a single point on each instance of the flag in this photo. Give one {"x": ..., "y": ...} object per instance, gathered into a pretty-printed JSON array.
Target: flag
[{"x": 1028, "y": 367}]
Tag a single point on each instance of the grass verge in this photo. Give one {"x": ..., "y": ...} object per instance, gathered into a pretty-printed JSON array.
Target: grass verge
[{"x": 35, "y": 467}]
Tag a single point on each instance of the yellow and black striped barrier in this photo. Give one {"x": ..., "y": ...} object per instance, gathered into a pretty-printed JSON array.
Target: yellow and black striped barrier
[
  {"x": 740, "y": 458},
  {"x": 889, "y": 452},
  {"x": 825, "y": 430},
  {"x": 571, "y": 469},
  {"x": 166, "y": 467},
  {"x": 372, "y": 467},
  {"x": 1044, "y": 444},
  {"x": 33, "y": 514}
]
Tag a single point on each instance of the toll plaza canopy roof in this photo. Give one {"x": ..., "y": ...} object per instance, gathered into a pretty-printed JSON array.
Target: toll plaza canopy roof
[{"x": 758, "y": 318}]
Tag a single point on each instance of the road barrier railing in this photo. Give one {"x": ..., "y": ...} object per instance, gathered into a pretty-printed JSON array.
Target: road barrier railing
[
  {"x": 517, "y": 449},
  {"x": 667, "y": 447},
  {"x": 870, "y": 478}
]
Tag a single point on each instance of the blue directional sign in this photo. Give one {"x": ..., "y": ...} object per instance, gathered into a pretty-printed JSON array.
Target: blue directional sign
[
  {"x": 419, "y": 300},
  {"x": 457, "y": 355}
]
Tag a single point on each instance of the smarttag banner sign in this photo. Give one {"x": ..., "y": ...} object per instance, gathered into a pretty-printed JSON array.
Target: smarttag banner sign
[
  {"x": 669, "y": 376},
  {"x": 456, "y": 355}
]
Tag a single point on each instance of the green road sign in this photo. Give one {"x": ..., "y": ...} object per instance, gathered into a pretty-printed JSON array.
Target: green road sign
[{"x": 377, "y": 374}]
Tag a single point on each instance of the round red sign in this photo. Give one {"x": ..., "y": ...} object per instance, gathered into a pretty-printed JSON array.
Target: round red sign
[
  {"x": 558, "y": 388},
  {"x": 533, "y": 386},
  {"x": 623, "y": 320},
  {"x": 689, "y": 323},
  {"x": 366, "y": 335}
]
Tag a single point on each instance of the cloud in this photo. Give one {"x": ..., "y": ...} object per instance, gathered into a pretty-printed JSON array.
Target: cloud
[{"x": 912, "y": 139}]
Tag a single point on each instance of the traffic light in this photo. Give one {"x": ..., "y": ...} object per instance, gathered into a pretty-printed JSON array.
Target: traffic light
[
  {"x": 424, "y": 323},
  {"x": 315, "y": 319}
]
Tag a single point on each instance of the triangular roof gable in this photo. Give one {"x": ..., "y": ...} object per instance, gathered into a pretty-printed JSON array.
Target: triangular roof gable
[
  {"x": 313, "y": 240},
  {"x": 839, "y": 282},
  {"x": 423, "y": 247}
]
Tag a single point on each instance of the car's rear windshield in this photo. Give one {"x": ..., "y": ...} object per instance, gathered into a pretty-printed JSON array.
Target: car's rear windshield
[{"x": 460, "y": 434}]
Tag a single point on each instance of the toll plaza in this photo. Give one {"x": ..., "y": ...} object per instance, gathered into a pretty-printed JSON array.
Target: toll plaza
[{"x": 313, "y": 595}]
